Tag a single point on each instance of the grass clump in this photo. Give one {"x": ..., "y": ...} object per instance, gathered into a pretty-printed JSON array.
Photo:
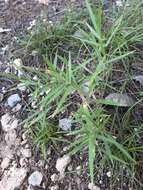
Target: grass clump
[{"x": 86, "y": 51}]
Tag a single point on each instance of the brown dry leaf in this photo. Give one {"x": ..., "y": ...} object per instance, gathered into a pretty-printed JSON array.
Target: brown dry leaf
[{"x": 45, "y": 2}]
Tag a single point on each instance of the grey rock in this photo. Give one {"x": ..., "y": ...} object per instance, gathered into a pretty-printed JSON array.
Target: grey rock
[
  {"x": 62, "y": 163},
  {"x": 35, "y": 178},
  {"x": 65, "y": 124},
  {"x": 13, "y": 100},
  {"x": 54, "y": 177}
]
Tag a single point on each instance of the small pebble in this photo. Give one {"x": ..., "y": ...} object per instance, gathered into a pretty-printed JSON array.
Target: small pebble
[
  {"x": 5, "y": 163},
  {"x": 17, "y": 62},
  {"x": 65, "y": 124},
  {"x": 78, "y": 169},
  {"x": 108, "y": 174},
  {"x": 91, "y": 186},
  {"x": 62, "y": 163},
  {"x": 13, "y": 100},
  {"x": 35, "y": 78},
  {"x": 35, "y": 178},
  {"x": 54, "y": 177}
]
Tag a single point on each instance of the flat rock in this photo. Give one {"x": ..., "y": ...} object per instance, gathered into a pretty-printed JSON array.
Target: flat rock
[
  {"x": 62, "y": 163},
  {"x": 8, "y": 122},
  {"x": 13, "y": 178},
  {"x": 13, "y": 100},
  {"x": 35, "y": 178}
]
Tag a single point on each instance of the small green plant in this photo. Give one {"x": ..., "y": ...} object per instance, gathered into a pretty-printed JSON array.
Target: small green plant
[{"x": 94, "y": 135}]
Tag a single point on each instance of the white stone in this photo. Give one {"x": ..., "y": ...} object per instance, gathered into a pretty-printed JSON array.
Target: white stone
[
  {"x": 91, "y": 186},
  {"x": 35, "y": 78},
  {"x": 35, "y": 178},
  {"x": 5, "y": 163},
  {"x": 8, "y": 122},
  {"x": 13, "y": 100},
  {"x": 119, "y": 3},
  {"x": 108, "y": 173},
  {"x": 78, "y": 169},
  {"x": 54, "y": 177},
  {"x": 17, "y": 62},
  {"x": 62, "y": 163},
  {"x": 12, "y": 178},
  {"x": 33, "y": 105},
  {"x": 10, "y": 137},
  {"x": 3, "y": 89},
  {"x": 26, "y": 152},
  {"x": 65, "y": 124},
  {"x": 55, "y": 187}
]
